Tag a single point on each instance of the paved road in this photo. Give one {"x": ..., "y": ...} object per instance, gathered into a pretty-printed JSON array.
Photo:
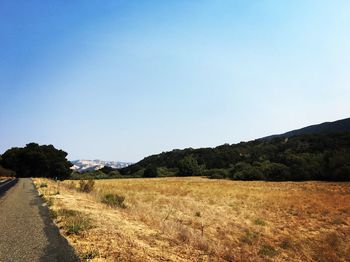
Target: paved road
[{"x": 26, "y": 231}]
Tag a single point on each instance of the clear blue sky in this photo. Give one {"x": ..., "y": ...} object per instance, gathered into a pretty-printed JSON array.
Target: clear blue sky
[{"x": 120, "y": 80}]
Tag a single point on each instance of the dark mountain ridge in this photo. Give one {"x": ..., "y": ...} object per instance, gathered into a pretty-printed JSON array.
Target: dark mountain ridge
[
  {"x": 339, "y": 126},
  {"x": 319, "y": 152}
]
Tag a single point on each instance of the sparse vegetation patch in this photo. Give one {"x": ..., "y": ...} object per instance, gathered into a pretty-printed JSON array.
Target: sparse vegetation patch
[
  {"x": 75, "y": 224},
  {"x": 183, "y": 219},
  {"x": 86, "y": 186},
  {"x": 267, "y": 250},
  {"x": 114, "y": 200}
]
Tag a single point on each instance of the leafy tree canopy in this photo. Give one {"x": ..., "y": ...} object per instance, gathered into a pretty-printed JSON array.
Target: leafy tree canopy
[{"x": 37, "y": 161}]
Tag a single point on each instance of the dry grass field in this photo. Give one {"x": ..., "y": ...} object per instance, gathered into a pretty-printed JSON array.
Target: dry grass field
[{"x": 197, "y": 219}]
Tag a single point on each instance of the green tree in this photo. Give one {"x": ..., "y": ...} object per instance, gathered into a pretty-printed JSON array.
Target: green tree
[
  {"x": 37, "y": 161},
  {"x": 188, "y": 166},
  {"x": 151, "y": 171}
]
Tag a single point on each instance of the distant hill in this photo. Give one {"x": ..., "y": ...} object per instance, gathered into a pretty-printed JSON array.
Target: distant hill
[
  {"x": 91, "y": 165},
  {"x": 318, "y": 152},
  {"x": 324, "y": 128}
]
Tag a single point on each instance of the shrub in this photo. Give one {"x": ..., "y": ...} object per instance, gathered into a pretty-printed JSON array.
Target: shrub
[
  {"x": 166, "y": 172},
  {"x": 114, "y": 200},
  {"x": 86, "y": 186},
  {"x": 267, "y": 250},
  {"x": 259, "y": 222},
  {"x": 114, "y": 174},
  {"x": 138, "y": 173},
  {"x": 96, "y": 174},
  {"x": 216, "y": 173},
  {"x": 249, "y": 237},
  {"x": 276, "y": 171},
  {"x": 151, "y": 172},
  {"x": 76, "y": 223},
  {"x": 188, "y": 166},
  {"x": 107, "y": 169},
  {"x": 249, "y": 173}
]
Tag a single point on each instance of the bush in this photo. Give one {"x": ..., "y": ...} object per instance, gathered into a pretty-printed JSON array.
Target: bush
[
  {"x": 96, "y": 174},
  {"x": 245, "y": 171},
  {"x": 151, "y": 172},
  {"x": 188, "y": 166},
  {"x": 216, "y": 173},
  {"x": 249, "y": 237},
  {"x": 139, "y": 173},
  {"x": 114, "y": 200},
  {"x": 276, "y": 172},
  {"x": 86, "y": 186},
  {"x": 268, "y": 251},
  {"x": 114, "y": 174},
  {"x": 259, "y": 222},
  {"x": 166, "y": 172},
  {"x": 107, "y": 169}
]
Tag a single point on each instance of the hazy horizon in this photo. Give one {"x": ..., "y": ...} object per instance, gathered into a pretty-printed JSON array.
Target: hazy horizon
[{"x": 128, "y": 79}]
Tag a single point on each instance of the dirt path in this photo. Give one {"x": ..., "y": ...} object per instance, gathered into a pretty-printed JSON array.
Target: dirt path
[{"x": 26, "y": 230}]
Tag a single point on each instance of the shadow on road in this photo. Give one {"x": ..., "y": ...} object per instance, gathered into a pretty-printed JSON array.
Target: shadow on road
[
  {"x": 6, "y": 186},
  {"x": 58, "y": 248}
]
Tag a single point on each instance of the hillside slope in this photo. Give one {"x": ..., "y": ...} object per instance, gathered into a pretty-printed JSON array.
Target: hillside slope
[
  {"x": 6, "y": 172},
  {"x": 321, "y": 156},
  {"x": 324, "y": 128}
]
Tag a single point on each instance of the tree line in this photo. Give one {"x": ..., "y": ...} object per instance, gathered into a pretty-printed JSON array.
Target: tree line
[
  {"x": 305, "y": 157},
  {"x": 34, "y": 160}
]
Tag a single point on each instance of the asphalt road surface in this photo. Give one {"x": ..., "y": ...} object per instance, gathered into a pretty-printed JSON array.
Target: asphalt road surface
[{"x": 26, "y": 230}]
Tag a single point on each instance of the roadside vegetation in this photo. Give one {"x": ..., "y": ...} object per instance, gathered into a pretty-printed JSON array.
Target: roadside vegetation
[{"x": 197, "y": 219}]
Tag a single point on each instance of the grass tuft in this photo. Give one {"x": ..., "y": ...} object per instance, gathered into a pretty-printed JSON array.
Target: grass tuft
[
  {"x": 267, "y": 251},
  {"x": 113, "y": 200},
  {"x": 249, "y": 237},
  {"x": 74, "y": 225},
  {"x": 259, "y": 222},
  {"x": 86, "y": 186}
]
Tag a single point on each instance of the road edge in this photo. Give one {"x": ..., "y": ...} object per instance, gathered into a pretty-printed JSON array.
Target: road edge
[{"x": 51, "y": 229}]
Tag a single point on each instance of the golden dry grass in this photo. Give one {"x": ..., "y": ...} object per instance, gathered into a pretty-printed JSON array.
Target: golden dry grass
[{"x": 197, "y": 219}]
